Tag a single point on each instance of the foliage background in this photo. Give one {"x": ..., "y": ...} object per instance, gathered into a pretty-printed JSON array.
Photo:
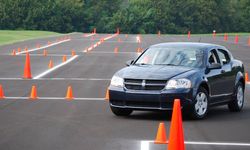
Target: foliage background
[{"x": 131, "y": 16}]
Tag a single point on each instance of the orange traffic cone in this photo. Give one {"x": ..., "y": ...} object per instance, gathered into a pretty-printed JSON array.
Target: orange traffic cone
[
  {"x": 225, "y": 37},
  {"x": 45, "y": 53},
  {"x": 107, "y": 95},
  {"x": 18, "y": 49},
  {"x": 139, "y": 50},
  {"x": 1, "y": 92},
  {"x": 161, "y": 137},
  {"x": 176, "y": 138},
  {"x": 27, "y": 68},
  {"x": 249, "y": 41},
  {"x": 69, "y": 94},
  {"x": 236, "y": 39},
  {"x": 50, "y": 64},
  {"x": 13, "y": 52},
  {"x": 33, "y": 93},
  {"x": 73, "y": 53},
  {"x": 159, "y": 33},
  {"x": 189, "y": 34},
  {"x": 246, "y": 77},
  {"x": 116, "y": 50},
  {"x": 25, "y": 49},
  {"x": 64, "y": 58}
]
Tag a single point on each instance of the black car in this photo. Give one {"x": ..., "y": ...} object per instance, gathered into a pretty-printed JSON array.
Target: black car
[{"x": 199, "y": 74}]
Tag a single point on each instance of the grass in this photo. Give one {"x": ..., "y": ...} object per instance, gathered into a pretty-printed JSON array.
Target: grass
[{"x": 12, "y": 36}]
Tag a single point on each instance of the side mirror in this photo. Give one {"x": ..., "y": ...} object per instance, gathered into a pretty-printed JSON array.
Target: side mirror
[
  {"x": 214, "y": 66},
  {"x": 128, "y": 63}
]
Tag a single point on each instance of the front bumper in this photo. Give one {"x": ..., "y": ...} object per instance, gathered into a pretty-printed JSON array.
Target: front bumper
[{"x": 148, "y": 100}]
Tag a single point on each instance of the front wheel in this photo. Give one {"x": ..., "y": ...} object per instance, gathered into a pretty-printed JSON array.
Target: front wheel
[
  {"x": 238, "y": 99},
  {"x": 200, "y": 107},
  {"x": 121, "y": 111}
]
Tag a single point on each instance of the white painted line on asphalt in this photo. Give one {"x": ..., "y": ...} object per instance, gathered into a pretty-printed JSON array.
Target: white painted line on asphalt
[
  {"x": 37, "y": 55},
  {"x": 51, "y": 79},
  {"x": 145, "y": 144},
  {"x": 12, "y": 79},
  {"x": 217, "y": 143},
  {"x": 60, "y": 98},
  {"x": 77, "y": 79},
  {"x": 109, "y": 37},
  {"x": 105, "y": 52},
  {"x": 56, "y": 55},
  {"x": 46, "y": 46},
  {"x": 98, "y": 43},
  {"x": 56, "y": 67},
  {"x": 89, "y": 35}
]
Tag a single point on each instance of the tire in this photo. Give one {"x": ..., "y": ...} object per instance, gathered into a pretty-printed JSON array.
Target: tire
[
  {"x": 237, "y": 102},
  {"x": 121, "y": 111},
  {"x": 200, "y": 107}
]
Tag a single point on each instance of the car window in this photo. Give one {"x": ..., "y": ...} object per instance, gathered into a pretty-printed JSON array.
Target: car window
[
  {"x": 213, "y": 57},
  {"x": 177, "y": 56},
  {"x": 224, "y": 56}
]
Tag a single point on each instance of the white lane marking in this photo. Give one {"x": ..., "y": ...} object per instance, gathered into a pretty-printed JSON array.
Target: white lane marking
[
  {"x": 89, "y": 35},
  {"x": 98, "y": 43},
  {"x": 145, "y": 144},
  {"x": 217, "y": 143},
  {"x": 60, "y": 98},
  {"x": 56, "y": 67},
  {"x": 51, "y": 79},
  {"x": 105, "y": 52},
  {"x": 36, "y": 49},
  {"x": 109, "y": 37}
]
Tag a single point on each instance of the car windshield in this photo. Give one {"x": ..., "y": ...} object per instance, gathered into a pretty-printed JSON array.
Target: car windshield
[{"x": 176, "y": 56}]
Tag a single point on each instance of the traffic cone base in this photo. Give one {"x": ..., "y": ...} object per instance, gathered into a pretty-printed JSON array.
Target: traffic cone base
[
  {"x": 33, "y": 93},
  {"x": 161, "y": 137},
  {"x": 69, "y": 94}
]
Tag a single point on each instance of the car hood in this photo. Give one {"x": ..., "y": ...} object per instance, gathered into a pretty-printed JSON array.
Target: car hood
[{"x": 152, "y": 72}]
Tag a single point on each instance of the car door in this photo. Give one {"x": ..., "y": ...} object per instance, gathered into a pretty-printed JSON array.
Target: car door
[
  {"x": 226, "y": 72},
  {"x": 214, "y": 76}
]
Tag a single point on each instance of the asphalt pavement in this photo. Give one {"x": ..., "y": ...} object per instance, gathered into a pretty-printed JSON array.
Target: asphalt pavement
[{"x": 86, "y": 122}]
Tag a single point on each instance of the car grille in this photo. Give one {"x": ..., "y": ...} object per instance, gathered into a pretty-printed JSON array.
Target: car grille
[{"x": 139, "y": 84}]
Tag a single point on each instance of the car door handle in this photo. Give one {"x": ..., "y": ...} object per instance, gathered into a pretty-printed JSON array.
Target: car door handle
[{"x": 223, "y": 71}]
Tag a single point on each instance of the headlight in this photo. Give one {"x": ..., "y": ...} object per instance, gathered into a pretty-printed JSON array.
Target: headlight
[
  {"x": 178, "y": 84},
  {"x": 117, "y": 81}
]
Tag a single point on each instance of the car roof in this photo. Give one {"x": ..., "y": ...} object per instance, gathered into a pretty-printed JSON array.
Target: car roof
[{"x": 203, "y": 46}]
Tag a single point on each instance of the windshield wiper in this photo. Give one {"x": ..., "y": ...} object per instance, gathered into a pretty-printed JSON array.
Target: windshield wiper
[
  {"x": 168, "y": 64},
  {"x": 141, "y": 64}
]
